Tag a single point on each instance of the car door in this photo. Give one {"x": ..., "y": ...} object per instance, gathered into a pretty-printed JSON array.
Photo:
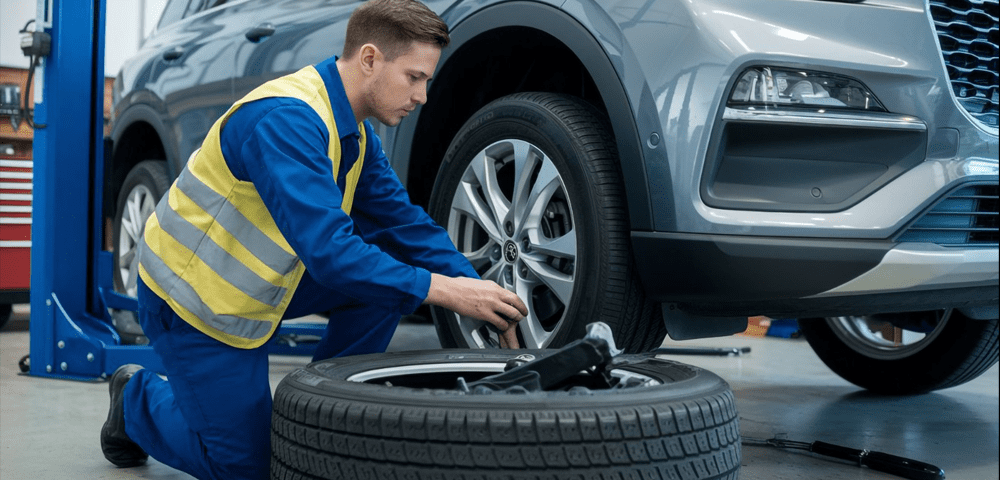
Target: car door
[
  {"x": 303, "y": 32},
  {"x": 193, "y": 74}
]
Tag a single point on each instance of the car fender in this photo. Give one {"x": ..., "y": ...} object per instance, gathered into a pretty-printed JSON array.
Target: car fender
[
  {"x": 144, "y": 113},
  {"x": 591, "y": 35}
]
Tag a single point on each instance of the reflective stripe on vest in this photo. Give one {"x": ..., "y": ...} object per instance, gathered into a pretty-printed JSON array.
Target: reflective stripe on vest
[
  {"x": 216, "y": 257},
  {"x": 211, "y": 249},
  {"x": 235, "y": 223},
  {"x": 186, "y": 295}
]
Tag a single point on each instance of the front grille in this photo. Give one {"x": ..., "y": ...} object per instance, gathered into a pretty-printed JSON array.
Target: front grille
[
  {"x": 964, "y": 218},
  {"x": 967, "y": 31}
]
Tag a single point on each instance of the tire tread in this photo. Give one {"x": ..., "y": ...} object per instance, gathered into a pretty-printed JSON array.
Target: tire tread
[{"x": 319, "y": 437}]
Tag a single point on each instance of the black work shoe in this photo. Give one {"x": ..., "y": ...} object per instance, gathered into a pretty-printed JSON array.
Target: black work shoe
[{"x": 118, "y": 448}]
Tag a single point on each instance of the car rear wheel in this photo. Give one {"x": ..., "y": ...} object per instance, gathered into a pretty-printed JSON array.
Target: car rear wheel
[
  {"x": 905, "y": 353},
  {"x": 144, "y": 185},
  {"x": 531, "y": 192},
  {"x": 400, "y": 415}
]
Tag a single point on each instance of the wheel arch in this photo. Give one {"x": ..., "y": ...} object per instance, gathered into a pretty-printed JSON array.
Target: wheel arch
[
  {"x": 138, "y": 135},
  {"x": 554, "y": 53}
]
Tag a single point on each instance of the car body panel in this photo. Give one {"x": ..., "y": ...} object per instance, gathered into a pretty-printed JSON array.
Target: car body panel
[{"x": 663, "y": 70}]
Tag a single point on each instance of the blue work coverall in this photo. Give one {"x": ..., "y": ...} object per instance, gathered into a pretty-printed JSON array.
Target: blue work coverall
[{"x": 211, "y": 417}]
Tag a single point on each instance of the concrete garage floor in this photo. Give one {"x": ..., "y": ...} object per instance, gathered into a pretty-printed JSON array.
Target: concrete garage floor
[{"x": 49, "y": 428}]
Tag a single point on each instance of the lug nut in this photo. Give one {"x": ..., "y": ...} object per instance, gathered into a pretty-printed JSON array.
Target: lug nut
[{"x": 509, "y": 228}]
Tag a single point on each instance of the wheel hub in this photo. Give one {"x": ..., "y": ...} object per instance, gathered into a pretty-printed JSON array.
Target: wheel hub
[{"x": 510, "y": 251}]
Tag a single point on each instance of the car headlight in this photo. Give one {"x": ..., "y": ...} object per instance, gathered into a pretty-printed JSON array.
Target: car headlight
[{"x": 774, "y": 87}]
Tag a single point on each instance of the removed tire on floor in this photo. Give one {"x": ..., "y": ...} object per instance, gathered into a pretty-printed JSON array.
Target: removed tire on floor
[{"x": 400, "y": 415}]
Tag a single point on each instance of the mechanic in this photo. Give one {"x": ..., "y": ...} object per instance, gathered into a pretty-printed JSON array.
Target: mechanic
[{"x": 288, "y": 208}]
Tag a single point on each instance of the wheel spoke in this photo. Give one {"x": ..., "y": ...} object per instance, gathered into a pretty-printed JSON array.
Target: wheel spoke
[
  {"x": 129, "y": 230},
  {"x": 126, "y": 257},
  {"x": 546, "y": 184},
  {"x": 472, "y": 206},
  {"x": 562, "y": 247},
  {"x": 131, "y": 283},
  {"x": 148, "y": 206},
  {"x": 862, "y": 327},
  {"x": 480, "y": 257},
  {"x": 470, "y": 330},
  {"x": 560, "y": 283},
  {"x": 484, "y": 168},
  {"x": 495, "y": 273},
  {"x": 526, "y": 159},
  {"x": 134, "y": 215},
  {"x": 533, "y": 333}
]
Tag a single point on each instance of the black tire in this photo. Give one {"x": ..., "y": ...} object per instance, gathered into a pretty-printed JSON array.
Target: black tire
[
  {"x": 6, "y": 311},
  {"x": 955, "y": 350},
  {"x": 590, "y": 277},
  {"x": 326, "y": 426},
  {"x": 144, "y": 185}
]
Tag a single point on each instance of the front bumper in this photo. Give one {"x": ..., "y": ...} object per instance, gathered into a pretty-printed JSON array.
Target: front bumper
[{"x": 728, "y": 275}]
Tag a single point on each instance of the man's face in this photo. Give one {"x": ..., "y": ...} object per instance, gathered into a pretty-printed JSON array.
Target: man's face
[{"x": 400, "y": 85}]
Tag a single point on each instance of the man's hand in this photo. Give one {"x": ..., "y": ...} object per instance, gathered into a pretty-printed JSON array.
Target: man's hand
[{"x": 480, "y": 299}]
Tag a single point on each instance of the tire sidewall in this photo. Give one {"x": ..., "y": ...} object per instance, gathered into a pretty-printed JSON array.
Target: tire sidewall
[
  {"x": 328, "y": 378},
  {"x": 929, "y": 368},
  {"x": 522, "y": 119},
  {"x": 153, "y": 175}
]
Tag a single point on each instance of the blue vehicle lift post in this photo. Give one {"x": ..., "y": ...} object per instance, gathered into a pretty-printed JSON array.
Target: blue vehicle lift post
[{"x": 72, "y": 336}]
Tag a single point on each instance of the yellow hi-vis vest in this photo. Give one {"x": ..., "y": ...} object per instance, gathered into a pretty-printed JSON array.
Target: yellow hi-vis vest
[{"x": 212, "y": 250}]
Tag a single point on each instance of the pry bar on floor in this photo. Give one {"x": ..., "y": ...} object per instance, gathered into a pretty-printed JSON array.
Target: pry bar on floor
[{"x": 883, "y": 462}]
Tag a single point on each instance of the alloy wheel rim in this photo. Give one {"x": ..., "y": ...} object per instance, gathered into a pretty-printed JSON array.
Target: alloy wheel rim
[
  {"x": 139, "y": 205},
  {"x": 863, "y": 335},
  {"x": 513, "y": 220},
  {"x": 434, "y": 375}
]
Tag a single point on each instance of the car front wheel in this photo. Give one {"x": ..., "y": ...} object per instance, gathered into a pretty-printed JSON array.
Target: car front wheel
[
  {"x": 904, "y": 353},
  {"x": 531, "y": 192},
  {"x": 144, "y": 185}
]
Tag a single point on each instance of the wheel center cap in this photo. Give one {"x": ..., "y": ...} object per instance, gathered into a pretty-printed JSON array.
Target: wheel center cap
[{"x": 510, "y": 251}]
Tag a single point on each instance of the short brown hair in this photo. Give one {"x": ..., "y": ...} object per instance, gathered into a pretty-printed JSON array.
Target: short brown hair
[{"x": 392, "y": 25}]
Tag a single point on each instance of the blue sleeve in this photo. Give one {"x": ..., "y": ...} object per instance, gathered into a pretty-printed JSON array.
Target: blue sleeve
[
  {"x": 386, "y": 217},
  {"x": 281, "y": 146}
]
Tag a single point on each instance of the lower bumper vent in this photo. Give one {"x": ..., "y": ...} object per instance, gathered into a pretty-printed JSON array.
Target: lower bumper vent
[{"x": 964, "y": 218}]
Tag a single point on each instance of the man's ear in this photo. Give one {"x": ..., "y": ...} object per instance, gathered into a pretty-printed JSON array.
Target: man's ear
[{"x": 368, "y": 56}]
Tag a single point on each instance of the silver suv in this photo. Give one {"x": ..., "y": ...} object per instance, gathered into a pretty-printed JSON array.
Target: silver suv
[{"x": 665, "y": 166}]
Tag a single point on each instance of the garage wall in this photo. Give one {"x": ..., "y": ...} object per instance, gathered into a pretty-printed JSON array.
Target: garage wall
[{"x": 127, "y": 22}]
